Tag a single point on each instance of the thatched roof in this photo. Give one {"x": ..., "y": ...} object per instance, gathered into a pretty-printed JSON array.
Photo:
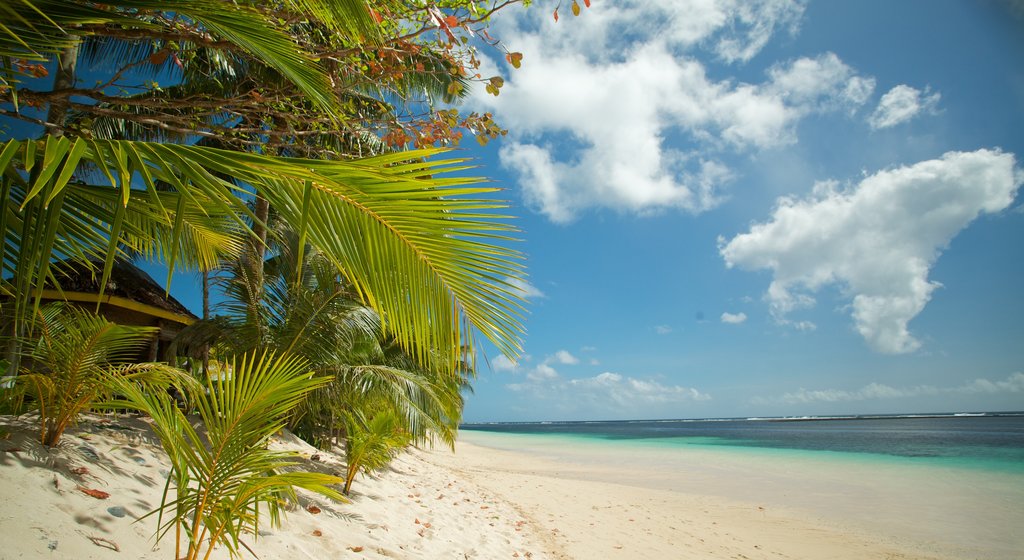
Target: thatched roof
[{"x": 126, "y": 280}]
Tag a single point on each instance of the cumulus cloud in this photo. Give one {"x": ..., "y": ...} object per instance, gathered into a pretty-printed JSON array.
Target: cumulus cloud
[
  {"x": 873, "y": 391},
  {"x": 876, "y": 240},
  {"x": 901, "y": 104},
  {"x": 595, "y": 100},
  {"x": 734, "y": 318},
  {"x": 663, "y": 329}
]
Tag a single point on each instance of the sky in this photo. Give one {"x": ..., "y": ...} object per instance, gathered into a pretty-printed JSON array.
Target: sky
[
  {"x": 769, "y": 208},
  {"x": 738, "y": 208}
]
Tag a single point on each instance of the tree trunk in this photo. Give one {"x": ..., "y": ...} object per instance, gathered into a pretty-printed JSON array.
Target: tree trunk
[
  {"x": 64, "y": 78},
  {"x": 206, "y": 317}
]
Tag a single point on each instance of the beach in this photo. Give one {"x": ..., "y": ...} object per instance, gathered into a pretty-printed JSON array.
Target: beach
[{"x": 508, "y": 496}]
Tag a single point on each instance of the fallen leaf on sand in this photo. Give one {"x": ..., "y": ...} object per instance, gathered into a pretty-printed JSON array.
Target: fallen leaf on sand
[
  {"x": 427, "y": 525},
  {"x": 80, "y": 471},
  {"x": 98, "y": 494},
  {"x": 417, "y": 521},
  {"x": 317, "y": 533},
  {"x": 356, "y": 548},
  {"x": 313, "y": 509}
]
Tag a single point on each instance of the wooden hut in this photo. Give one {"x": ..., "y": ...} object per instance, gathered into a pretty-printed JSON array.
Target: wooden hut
[{"x": 131, "y": 297}]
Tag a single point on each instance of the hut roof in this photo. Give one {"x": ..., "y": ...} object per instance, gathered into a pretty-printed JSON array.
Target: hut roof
[{"x": 126, "y": 281}]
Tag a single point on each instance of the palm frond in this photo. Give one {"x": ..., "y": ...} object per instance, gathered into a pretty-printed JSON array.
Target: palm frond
[
  {"x": 223, "y": 477},
  {"x": 421, "y": 246}
]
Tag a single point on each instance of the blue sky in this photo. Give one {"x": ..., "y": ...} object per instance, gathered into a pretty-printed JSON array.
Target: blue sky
[
  {"x": 760, "y": 208},
  {"x": 763, "y": 208}
]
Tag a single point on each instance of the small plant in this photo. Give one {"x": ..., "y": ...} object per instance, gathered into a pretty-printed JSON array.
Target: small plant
[
  {"x": 372, "y": 443},
  {"x": 223, "y": 477},
  {"x": 71, "y": 358}
]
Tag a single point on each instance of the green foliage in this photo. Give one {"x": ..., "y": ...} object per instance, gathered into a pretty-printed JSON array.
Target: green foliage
[
  {"x": 221, "y": 478},
  {"x": 74, "y": 357},
  {"x": 372, "y": 443}
]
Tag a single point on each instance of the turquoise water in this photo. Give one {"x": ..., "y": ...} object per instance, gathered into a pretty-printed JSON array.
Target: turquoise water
[{"x": 992, "y": 442}]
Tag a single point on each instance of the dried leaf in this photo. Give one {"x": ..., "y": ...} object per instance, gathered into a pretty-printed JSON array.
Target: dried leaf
[
  {"x": 356, "y": 548},
  {"x": 159, "y": 57},
  {"x": 317, "y": 533},
  {"x": 556, "y": 15},
  {"x": 313, "y": 509},
  {"x": 98, "y": 494},
  {"x": 80, "y": 471}
]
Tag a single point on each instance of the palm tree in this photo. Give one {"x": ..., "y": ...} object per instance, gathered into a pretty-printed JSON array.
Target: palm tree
[
  {"x": 423, "y": 249},
  {"x": 302, "y": 305},
  {"x": 73, "y": 356},
  {"x": 225, "y": 476}
]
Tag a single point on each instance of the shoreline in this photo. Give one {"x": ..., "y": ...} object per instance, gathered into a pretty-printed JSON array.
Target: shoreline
[
  {"x": 539, "y": 500},
  {"x": 755, "y": 501}
]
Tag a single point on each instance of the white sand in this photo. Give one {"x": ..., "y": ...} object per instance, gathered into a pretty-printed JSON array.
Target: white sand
[
  {"x": 534, "y": 502},
  {"x": 644, "y": 501},
  {"x": 414, "y": 510}
]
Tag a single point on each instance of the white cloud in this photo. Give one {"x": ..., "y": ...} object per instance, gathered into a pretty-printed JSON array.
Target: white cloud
[
  {"x": 564, "y": 357},
  {"x": 630, "y": 391},
  {"x": 663, "y": 329},
  {"x": 610, "y": 394},
  {"x": 595, "y": 100},
  {"x": 901, "y": 104},
  {"x": 524, "y": 288},
  {"x": 876, "y": 241},
  {"x": 502, "y": 363},
  {"x": 874, "y": 391},
  {"x": 734, "y": 318},
  {"x": 543, "y": 372}
]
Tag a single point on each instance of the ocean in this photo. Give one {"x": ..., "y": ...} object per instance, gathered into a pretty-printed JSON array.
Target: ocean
[{"x": 990, "y": 441}]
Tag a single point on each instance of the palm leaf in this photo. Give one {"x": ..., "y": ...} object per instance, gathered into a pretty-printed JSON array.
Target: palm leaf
[
  {"x": 223, "y": 477},
  {"x": 421, "y": 246}
]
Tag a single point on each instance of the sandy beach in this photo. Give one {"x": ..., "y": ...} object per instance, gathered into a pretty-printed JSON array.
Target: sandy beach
[{"x": 486, "y": 501}]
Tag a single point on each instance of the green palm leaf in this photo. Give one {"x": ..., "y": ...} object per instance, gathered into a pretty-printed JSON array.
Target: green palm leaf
[
  {"x": 421, "y": 246},
  {"x": 221, "y": 478}
]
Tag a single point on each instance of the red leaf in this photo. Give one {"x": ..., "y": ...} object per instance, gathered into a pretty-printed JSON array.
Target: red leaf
[
  {"x": 556, "y": 15},
  {"x": 375, "y": 15},
  {"x": 98, "y": 494},
  {"x": 312, "y": 509},
  {"x": 452, "y": 21},
  {"x": 317, "y": 533},
  {"x": 586, "y": 3}
]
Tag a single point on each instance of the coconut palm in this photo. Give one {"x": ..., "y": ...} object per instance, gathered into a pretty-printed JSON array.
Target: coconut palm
[
  {"x": 225, "y": 476},
  {"x": 304, "y": 306},
  {"x": 426, "y": 251},
  {"x": 73, "y": 356}
]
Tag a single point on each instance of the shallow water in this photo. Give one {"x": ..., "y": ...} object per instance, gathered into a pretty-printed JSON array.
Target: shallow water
[{"x": 988, "y": 442}]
